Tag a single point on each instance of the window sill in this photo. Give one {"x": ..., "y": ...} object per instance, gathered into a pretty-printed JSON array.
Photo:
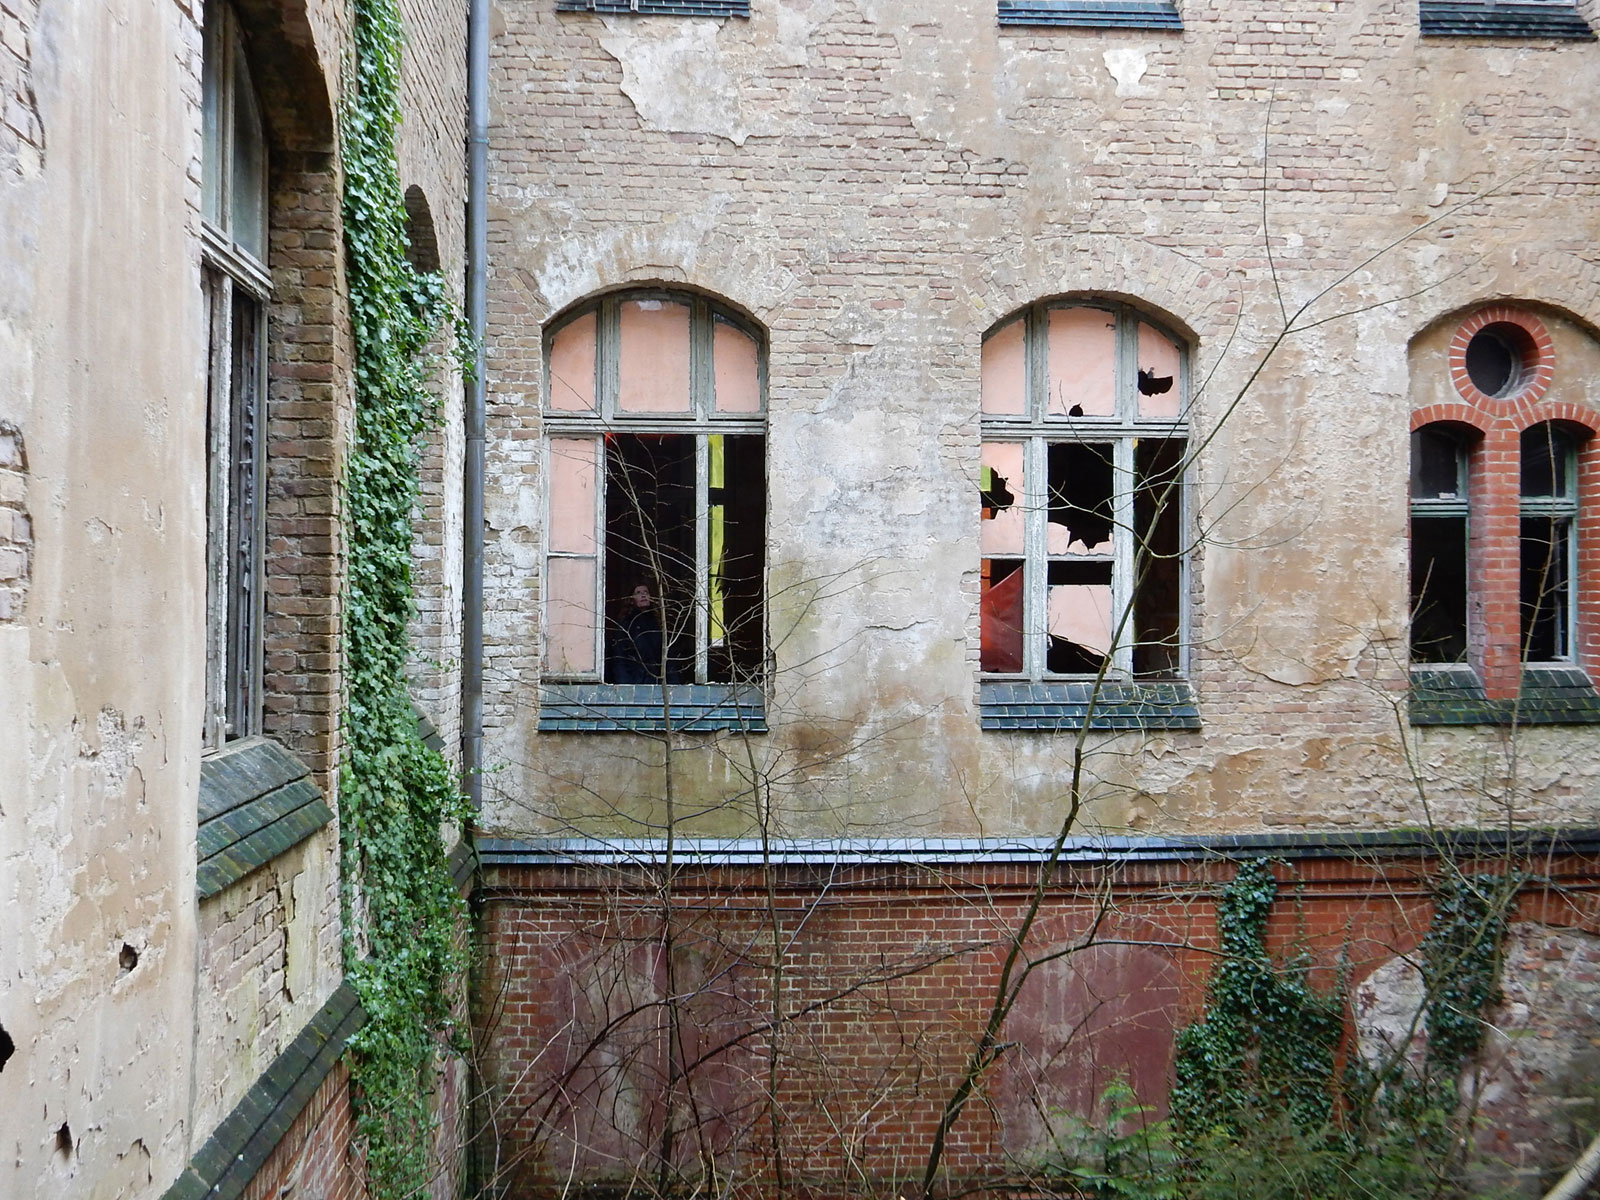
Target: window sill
[
  {"x": 1446, "y": 18},
  {"x": 658, "y": 8},
  {"x": 1550, "y": 696},
  {"x": 256, "y": 802},
  {"x": 1092, "y": 14},
  {"x": 639, "y": 708},
  {"x": 1065, "y": 705}
]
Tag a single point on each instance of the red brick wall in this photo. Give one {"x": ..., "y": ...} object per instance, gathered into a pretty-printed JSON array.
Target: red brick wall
[
  {"x": 316, "y": 1159},
  {"x": 887, "y": 976}
]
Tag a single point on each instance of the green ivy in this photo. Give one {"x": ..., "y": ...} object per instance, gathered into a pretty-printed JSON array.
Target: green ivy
[
  {"x": 1256, "y": 1080},
  {"x": 1267, "y": 1041},
  {"x": 395, "y": 792}
]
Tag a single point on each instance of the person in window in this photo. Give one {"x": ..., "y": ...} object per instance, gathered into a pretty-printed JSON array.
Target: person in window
[{"x": 634, "y": 655}]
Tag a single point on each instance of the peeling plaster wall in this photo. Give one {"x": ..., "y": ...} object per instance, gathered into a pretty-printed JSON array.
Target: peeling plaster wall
[
  {"x": 878, "y": 187},
  {"x": 101, "y": 328}
]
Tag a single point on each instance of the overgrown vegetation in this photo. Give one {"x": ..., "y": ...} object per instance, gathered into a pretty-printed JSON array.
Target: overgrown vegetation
[
  {"x": 394, "y": 792},
  {"x": 1260, "y": 1108}
]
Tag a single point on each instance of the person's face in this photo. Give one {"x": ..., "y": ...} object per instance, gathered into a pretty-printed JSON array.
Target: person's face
[{"x": 641, "y": 597}]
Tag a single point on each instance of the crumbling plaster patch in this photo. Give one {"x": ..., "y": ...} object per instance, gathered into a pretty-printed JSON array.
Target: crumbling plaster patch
[{"x": 1532, "y": 1083}]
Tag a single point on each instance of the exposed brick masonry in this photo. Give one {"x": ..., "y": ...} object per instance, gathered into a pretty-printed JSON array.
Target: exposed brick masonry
[
  {"x": 16, "y": 531},
  {"x": 21, "y": 132},
  {"x": 887, "y": 975}
]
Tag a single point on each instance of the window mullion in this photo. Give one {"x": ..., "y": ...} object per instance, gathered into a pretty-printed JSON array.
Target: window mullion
[
  {"x": 608, "y": 353},
  {"x": 1123, "y": 557},
  {"x": 702, "y": 554},
  {"x": 1036, "y": 557}
]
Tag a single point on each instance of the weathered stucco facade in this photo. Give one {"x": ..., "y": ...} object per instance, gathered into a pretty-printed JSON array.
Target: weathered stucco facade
[
  {"x": 878, "y": 190},
  {"x": 873, "y": 251},
  {"x": 144, "y": 1002},
  {"x": 1320, "y": 207}
]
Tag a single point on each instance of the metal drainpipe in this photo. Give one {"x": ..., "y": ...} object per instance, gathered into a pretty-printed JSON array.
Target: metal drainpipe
[{"x": 476, "y": 400}]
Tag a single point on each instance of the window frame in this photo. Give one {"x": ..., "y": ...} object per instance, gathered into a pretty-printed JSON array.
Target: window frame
[
  {"x": 702, "y": 421},
  {"x": 1561, "y": 507},
  {"x": 238, "y": 291},
  {"x": 1037, "y": 429}
]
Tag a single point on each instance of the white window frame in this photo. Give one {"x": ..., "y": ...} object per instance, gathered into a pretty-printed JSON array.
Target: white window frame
[
  {"x": 1037, "y": 429},
  {"x": 702, "y": 421}
]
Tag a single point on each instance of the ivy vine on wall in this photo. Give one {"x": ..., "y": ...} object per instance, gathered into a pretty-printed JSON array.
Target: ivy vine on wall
[{"x": 394, "y": 791}]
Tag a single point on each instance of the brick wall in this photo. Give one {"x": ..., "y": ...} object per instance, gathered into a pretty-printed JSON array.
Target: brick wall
[
  {"x": 317, "y": 1158},
  {"x": 309, "y": 428},
  {"x": 21, "y": 133},
  {"x": 885, "y": 977},
  {"x": 16, "y": 531}
]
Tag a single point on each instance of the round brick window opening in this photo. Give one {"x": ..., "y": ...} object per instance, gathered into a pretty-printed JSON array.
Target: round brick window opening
[{"x": 1500, "y": 359}]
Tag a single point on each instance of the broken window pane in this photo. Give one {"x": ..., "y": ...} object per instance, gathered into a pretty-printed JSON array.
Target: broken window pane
[
  {"x": 736, "y": 363},
  {"x": 1078, "y": 617},
  {"x": 1082, "y": 491},
  {"x": 1158, "y": 380},
  {"x": 1005, "y": 371},
  {"x": 1000, "y": 609},
  {"x": 1545, "y": 587},
  {"x": 1001, "y": 493},
  {"x": 1438, "y": 589},
  {"x": 572, "y": 366},
  {"x": 1082, "y": 359},
  {"x": 653, "y": 361},
  {"x": 1158, "y": 566}
]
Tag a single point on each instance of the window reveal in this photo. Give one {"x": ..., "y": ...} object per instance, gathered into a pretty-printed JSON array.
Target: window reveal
[
  {"x": 1081, "y": 498},
  {"x": 657, "y": 495}
]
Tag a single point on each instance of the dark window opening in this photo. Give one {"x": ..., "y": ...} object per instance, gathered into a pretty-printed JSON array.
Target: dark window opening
[
  {"x": 1437, "y": 465},
  {"x": 1158, "y": 561},
  {"x": 1438, "y": 589},
  {"x": 653, "y": 523},
  {"x": 1498, "y": 357},
  {"x": 1082, "y": 493},
  {"x": 1545, "y": 589},
  {"x": 1549, "y": 506}
]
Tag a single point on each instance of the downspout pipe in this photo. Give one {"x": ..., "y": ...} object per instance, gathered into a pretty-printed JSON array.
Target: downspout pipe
[{"x": 476, "y": 402}]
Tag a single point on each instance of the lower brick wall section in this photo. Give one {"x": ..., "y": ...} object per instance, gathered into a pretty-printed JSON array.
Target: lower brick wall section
[
  {"x": 883, "y": 977},
  {"x": 317, "y": 1159}
]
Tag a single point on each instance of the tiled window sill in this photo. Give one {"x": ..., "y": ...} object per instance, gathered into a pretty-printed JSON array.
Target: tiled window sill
[
  {"x": 1066, "y": 705},
  {"x": 256, "y": 802},
  {"x": 648, "y": 708},
  {"x": 1550, "y": 696},
  {"x": 658, "y": 8},
  {"x": 1092, "y": 14},
  {"x": 1452, "y": 18}
]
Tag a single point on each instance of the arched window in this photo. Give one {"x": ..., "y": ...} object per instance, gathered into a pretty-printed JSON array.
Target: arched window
[
  {"x": 655, "y": 549},
  {"x": 1084, "y": 436}
]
